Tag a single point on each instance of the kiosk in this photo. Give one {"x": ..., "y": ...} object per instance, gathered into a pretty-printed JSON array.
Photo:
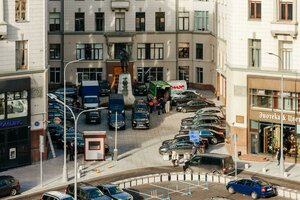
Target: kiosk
[{"x": 94, "y": 145}]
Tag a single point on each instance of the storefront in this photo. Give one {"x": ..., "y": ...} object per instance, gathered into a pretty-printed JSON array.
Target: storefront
[
  {"x": 264, "y": 114},
  {"x": 15, "y": 148}
]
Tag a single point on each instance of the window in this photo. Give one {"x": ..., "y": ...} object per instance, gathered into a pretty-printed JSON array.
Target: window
[
  {"x": 183, "y": 50},
  {"x": 17, "y": 104},
  {"x": 160, "y": 21},
  {"x": 120, "y": 22},
  {"x": 89, "y": 51},
  {"x": 54, "y": 75},
  {"x": 199, "y": 51},
  {"x": 147, "y": 74},
  {"x": 21, "y": 10},
  {"x": 254, "y": 53},
  {"x": 140, "y": 21},
  {"x": 94, "y": 145},
  {"x": 286, "y": 53},
  {"x": 79, "y": 21},
  {"x": 99, "y": 20},
  {"x": 2, "y": 105},
  {"x": 89, "y": 74},
  {"x": 199, "y": 74},
  {"x": 147, "y": 51},
  {"x": 183, "y": 21},
  {"x": 201, "y": 20},
  {"x": 54, "y": 51},
  {"x": 21, "y": 55},
  {"x": 285, "y": 10},
  {"x": 54, "y": 21},
  {"x": 184, "y": 73},
  {"x": 254, "y": 9}
]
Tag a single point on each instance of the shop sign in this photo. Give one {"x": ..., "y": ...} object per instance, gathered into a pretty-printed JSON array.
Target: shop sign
[
  {"x": 277, "y": 116},
  {"x": 11, "y": 123}
]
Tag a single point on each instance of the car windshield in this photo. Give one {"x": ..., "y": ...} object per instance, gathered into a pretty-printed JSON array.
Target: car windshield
[
  {"x": 104, "y": 85},
  {"x": 140, "y": 115},
  {"x": 90, "y": 100},
  {"x": 115, "y": 190},
  {"x": 141, "y": 86},
  {"x": 94, "y": 193},
  {"x": 141, "y": 107}
]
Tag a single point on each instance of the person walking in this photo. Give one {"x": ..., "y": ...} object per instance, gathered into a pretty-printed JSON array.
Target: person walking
[
  {"x": 278, "y": 156},
  {"x": 154, "y": 100},
  {"x": 162, "y": 105},
  {"x": 72, "y": 151},
  {"x": 158, "y": 107},
  {"x": 194, "y": 149},
  {"x": 151, "y": 106}
]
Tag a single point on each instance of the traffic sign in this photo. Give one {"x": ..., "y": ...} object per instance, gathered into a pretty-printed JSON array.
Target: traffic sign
[{"x": 194, "y": 136}]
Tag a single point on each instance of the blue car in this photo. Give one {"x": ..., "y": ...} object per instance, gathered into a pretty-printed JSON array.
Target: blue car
[{"x": 254, "y": 187}]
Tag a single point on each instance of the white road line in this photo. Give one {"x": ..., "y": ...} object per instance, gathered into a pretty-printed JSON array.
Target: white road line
[
  {"x": 165, "y": 188},
  {"x": 144, "y": 194},
  {"x": 203, "y": 186}
]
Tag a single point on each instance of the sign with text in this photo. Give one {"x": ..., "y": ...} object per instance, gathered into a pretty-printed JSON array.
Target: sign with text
[
  {"x": 274, "y": 117},
  {"x": 194, "y": 136}
]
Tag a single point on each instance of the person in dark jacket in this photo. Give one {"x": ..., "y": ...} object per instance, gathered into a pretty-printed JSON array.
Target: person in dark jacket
[{"x": 72, "y": 149}]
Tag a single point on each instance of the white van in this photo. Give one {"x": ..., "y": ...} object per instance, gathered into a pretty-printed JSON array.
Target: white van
[{"x": 177, "y": 86}]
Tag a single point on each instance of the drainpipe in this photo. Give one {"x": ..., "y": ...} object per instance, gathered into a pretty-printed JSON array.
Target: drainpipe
[
  {"x": 176, "y": 39},
  {"x": 62, "y": 33}
]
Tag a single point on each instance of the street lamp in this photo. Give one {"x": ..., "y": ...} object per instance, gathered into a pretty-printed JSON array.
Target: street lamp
[
  {"x": 65, "y": 172},
  {"x": 52, "y": 96},
  {"x": 282, "y": 168}
]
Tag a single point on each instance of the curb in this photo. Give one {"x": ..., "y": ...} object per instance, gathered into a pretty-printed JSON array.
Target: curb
[{"x": 202, "y": 177}]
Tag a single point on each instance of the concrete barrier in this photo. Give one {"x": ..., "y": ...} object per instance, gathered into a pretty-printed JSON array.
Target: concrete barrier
[
  {"x": 188, "y": 177},
  {"x": 157, "y": 178},
  {"x": 139, "y": 181},
  {"x": 196, "y": 177},
  {"x": 216, "y": 178},
  {"x": 173, "y": 176},
  {"x": 127, "y": 183},
  {"x": 180, "y": 176},
  {"x": 293, "y": 194},
  {"x": 203, "y": 177},
  {"x": 209, "y": 177},
  {"x": 145, "y": 179},
  {"x": 280, "y": 191},
  {"x": 133, "y": 182},
  {"x": 164, "y": 177},
  {"x": 222, "y": 179},
  {"x": 151, "y": 179}
]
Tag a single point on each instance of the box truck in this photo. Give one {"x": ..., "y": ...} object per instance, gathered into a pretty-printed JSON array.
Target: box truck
[{"x": 89, "y": 93}]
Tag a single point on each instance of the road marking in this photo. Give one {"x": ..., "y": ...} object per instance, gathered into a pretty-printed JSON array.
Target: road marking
[
  {"x": 165, "y": 188},
  {"x": 145, "y": 194},
  {"x": 203, "y": 186}
]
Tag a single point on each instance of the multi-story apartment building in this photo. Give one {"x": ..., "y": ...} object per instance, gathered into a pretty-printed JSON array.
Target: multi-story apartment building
[
  {"x": 262, "y": 46},
  {"x": 165, "y": 39},
  {"x": 23, "y": 82}
]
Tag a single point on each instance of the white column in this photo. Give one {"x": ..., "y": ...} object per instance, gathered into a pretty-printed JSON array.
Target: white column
[{"x": 1, "y": 11}]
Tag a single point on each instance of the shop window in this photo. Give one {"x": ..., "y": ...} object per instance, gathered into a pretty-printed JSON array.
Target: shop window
[
  {"x": 94, "y": 145},
  {"x": 160, "y": 21},
  {"x": 21, "y": 10},
  {"x": 2, "y": 105},
  {"x": 183, "y": 21},
  {"x": 254, "y": 9},
  {"x": 22, "y": 55},
  {"x": 183, "y": 50},
  {"x": 140, "y": 21},
  {"x": 17, "y": 104},
  {"x": 120, "y": 22}
]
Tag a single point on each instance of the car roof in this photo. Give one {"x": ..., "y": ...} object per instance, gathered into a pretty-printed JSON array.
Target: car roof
[
  {"x": 6, "y": 177},
  {"x": 108, "y": 185},
  {"x": 215, "y": 155},
  {"x": 57, "y": 194}
]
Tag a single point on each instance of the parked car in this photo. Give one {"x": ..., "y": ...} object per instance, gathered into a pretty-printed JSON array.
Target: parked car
[
  {"x": 194, "y": 105},
  {"x": 198, "y": 120},
  {"x": 140, "y": 120},
  {"x": 56, "y": 131},
  {"x": 56, "y": 113},
  {"x": 202, "y": 121},
  {"x": 86, "y": 191},
  {"x": 55, "y": 105},
  {"x": 9, "y": 186},
  {"x": 116, "y": 104},
  {"x": 212, "y": 110},
  {"x": 140, "y": 89},
  {"x": 210, "y": 162},
  {"x": 181, "y": 147},
  {"x": 55, "y": 195},
  {"x": 255, "y": 187},
  {"x": 71, "y": 138},
  {"x": 118, "y": 121},
  {"x": 199, "y": 116},
  {"x": 93, "y": 117},
  {"x": 184, "y": 137},
  {"x": 104, "y": 88},
  {"x": 218, "y": 128},
  {"x": 185, "y": 96},
  {"x": 115, "y": 192},
  {"x": 212, "y": 136},
  {"x": 70, "y": 91},
  {"x": 141, "y": 105}
]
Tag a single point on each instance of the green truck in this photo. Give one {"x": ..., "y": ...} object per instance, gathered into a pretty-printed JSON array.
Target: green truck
[{"x": 159, "y": 89}]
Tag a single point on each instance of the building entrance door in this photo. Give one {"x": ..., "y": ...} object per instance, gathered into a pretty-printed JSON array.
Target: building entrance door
[{"x": 117, "y": 72}]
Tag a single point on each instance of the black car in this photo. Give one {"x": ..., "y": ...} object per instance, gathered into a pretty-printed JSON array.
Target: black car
[
  {"x": 217, "y": 128},
  {"x": 56, "y": 131},
  {"x": 185, "y": 137},
  {"x": 199, "y": 120},
  {"x": 70, "y": 92},
  {"x": 140, "y": 120},
  {"x": 114, "y": 192},
  {"x": 186, "y": 96},
  {"x": 104, "y": 88},
  {"x": 194, "y": 105},
  {"x": 181, "y": 147},
  {"x": 57, "y": 113},
  {"x": 140, "y": 89},
  {"x": 86, "y": 191},
  {"x": 212, "y": 136},
  {"x": 203, "y": 121},
  {"x": 93, "y": 117},
  {"x": 116, "y": 120},
  {"x": 140, "y": 105},
  {"x": 9, "y": 186}
]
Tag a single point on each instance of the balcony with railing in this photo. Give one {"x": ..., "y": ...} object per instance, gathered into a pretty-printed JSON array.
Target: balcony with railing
[{"x": 120, "y": 5}]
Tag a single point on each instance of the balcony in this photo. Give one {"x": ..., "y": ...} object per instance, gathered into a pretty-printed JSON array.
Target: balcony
[
  {"x": 120, "y": 5},
  {"x": 3, "y": 30},
  {"x": 281, "y": 28}
]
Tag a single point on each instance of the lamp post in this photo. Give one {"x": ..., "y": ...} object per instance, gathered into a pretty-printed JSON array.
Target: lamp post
[
  {"x": 116, "y": 139},
  {"x": 65, "y": 171},
  {"x": 52, "y": 96},
  {"x": 282, "y": 168}
]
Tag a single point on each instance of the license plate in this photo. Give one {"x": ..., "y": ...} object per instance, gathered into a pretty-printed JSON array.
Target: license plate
[
  {"x": 269, "y": 189},
  {"x": 93, "y": 120}
]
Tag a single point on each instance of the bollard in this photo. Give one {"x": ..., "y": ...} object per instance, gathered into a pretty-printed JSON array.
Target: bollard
[
  {"x": 264, "y": 170},
  {"x": 246, "y": 166}
]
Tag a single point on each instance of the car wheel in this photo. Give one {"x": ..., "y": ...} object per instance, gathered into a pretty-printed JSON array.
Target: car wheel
[
  {"x": 214, "y": 141},
  {"x": 184, "y": 110},
  {"x": 231, "y": 190},
  {"x": 254, "y": 195},
  {"x": 13, "y": 192},
  {"x": 188, "y": 170}
]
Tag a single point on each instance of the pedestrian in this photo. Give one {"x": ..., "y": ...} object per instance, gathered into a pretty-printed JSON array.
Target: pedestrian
[
  {"x": 194, "y": 149},
  {"x": 72, "y": 151},
  {"x": 278, "y": 156},
  {"x": 154, "y": 103},
  {"x": 158, "y": 107},
  {"x": 163, "y": 105},
  {"x": 151, "y": 105},
  {"x": 175, "y": 159}
]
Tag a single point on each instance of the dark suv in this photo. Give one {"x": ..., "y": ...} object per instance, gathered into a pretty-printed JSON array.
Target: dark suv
[
  {"x": 9, "y": 186},
  {"x": 93, "y": 117},
  {"x": 86, "y": 191},
  {"x": 104, "y": 88},
  {"x": 140, "y": 89},
  {"x": 140, "y": 120}
]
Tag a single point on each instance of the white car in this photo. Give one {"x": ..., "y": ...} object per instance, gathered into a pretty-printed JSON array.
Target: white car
[
  {"x": 186, "y": 93},
  {"x": 55, "y": 195},
  {"x": 212, "y": 110}
]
